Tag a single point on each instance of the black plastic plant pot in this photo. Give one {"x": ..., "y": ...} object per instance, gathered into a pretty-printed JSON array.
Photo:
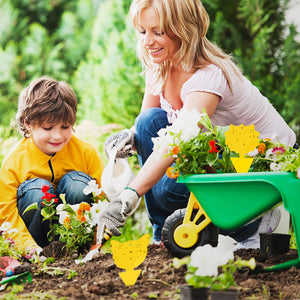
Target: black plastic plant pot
[
  {"x": 188, "y": 292},
  {"x": 274, "y": 243},
  {"x": 224, "y": 295}
]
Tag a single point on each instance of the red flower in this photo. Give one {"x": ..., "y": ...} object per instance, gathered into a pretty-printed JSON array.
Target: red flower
[
  {"x": 213, "y": 147},
  {"x": 45, "y": 188},
  {"x": 48, "y": 196}
]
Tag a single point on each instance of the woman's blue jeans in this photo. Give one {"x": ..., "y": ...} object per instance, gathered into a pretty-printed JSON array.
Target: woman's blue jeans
[
  {"x": 30, "y": 191},
  {"x": 167, "y": 195}
]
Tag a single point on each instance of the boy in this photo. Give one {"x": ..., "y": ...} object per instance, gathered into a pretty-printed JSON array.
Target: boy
[{"x": 48, "y": 155}]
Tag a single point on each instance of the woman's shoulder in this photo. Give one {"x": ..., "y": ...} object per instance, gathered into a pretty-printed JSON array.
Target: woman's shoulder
[
  {"x": 207, "y": 79},
  {"x": 208, "y": 71}
]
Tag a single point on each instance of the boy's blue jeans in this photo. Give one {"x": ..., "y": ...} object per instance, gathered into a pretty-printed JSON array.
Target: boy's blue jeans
[
  {"x": 167, "y": 195},
  {"x": 71, "y": 184}
]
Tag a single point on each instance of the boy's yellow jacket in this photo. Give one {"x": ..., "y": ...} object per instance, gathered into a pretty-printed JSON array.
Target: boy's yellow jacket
[{"x": 26, "y": 161}]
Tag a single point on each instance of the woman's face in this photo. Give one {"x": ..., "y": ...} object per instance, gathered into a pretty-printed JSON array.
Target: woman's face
[{"x": 159, "y": 45}]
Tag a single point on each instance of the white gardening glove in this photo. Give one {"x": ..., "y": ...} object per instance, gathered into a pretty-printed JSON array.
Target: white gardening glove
[
  {"x": 123, "y": 141},
  {"x": 116, "y": 213}
]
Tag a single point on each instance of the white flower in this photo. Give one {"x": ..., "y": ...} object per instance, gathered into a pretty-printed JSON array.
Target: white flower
[
  {"x": 93, "y": 188},
  {"x": 275, "y": 167},
  {"x": 184, "y": 128},
  {"x": 298, "y": 173},
  {"x": 59, "y": 207},
  {"x": 187, "y": 124},
  {"x": 253, "y": 153},
  {"x": 5, "y": 226},
  {"x": 207, "y": 259},
  {"x": 12, "y": 230},
  {"x": 269, "y": 153},
  {"x": 204, "y": 258},
  {"x": 96, "y": 209},
  {"x": 62, "y": 213}
]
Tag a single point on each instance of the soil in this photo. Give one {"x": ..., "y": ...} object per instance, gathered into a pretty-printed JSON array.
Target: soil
[{"x": 99, "y": 278}]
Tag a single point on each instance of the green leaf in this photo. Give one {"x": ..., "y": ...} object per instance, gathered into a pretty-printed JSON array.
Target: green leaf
[{"x": 31, "y": 206}]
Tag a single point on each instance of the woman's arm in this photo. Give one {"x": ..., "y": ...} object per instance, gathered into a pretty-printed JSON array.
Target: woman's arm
[
  {"x": 154, "y": 168},
  {"x": 149, "y": 100},
  {"x": 151, "y": 172}
]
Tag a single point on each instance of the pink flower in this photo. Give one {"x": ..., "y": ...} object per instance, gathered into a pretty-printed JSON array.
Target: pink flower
[{"x": 278, "y": 151}]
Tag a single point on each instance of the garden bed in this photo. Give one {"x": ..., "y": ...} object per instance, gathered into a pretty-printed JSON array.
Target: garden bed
[{"x": 99, "y": 279}]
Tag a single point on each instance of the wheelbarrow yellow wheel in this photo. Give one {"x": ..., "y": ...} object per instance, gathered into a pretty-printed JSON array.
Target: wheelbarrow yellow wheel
[{"x": 209, "y": 235}]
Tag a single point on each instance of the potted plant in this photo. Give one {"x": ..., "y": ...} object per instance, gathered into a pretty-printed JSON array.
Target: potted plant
[
  {"x": 210, "y": 270},
  {"x": 274, "y": 243}
]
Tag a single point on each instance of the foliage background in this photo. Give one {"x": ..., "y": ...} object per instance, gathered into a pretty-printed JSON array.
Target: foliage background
[{"x": 91, "y": 44}]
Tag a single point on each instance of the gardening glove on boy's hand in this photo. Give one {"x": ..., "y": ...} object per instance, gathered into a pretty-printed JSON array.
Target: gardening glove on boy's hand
[
  {"x": 117, "y": 212},
  {"x": 123, "y": 141}
]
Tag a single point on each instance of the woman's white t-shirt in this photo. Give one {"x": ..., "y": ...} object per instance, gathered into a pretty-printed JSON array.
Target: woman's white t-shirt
[{"x": 243, "y": 105}]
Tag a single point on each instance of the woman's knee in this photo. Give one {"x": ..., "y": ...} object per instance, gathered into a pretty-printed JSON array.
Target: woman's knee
[
  {"x": 170, "y": 195},
  {"x": 151, "y": 119}
]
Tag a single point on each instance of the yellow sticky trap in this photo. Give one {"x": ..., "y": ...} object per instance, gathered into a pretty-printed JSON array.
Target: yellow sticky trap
[
  {"x": 129, "y": 255},
  {"x": 242, "y": 139}
]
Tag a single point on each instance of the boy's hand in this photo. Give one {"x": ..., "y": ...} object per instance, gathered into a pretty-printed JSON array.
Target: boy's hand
[{"x": 123, "y": 141}]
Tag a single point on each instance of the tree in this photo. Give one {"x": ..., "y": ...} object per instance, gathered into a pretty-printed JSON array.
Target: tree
[
  {"x": 40, "y": 37},
  {"x": 109, "y": 83}
]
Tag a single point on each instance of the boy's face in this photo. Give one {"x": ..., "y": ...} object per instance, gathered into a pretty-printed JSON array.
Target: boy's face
[{"x": 50, "y": 138}]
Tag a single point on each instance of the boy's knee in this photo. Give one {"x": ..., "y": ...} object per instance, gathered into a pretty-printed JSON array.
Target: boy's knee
[
  {"x": 30, "y": 191},
  {"x": 72, "y": 185},
  {"x": 33, "y": 187}
]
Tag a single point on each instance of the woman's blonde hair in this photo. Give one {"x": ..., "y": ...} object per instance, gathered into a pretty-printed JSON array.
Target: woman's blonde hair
[
  {"x": 46, "y": 100},
  {"x": 189, "y": 22}
]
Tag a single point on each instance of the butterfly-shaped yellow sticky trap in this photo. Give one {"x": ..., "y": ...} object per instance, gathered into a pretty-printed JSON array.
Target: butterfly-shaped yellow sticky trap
[{"x": 242, "y": 139}]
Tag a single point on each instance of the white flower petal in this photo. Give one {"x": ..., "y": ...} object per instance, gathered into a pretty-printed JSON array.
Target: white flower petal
[{"x": 5, "y": 226}]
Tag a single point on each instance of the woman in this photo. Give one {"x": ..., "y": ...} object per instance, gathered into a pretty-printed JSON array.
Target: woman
[{"x": 183, "y": 70}]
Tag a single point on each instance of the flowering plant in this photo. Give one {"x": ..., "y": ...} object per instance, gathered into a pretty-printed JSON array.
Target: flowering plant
[
  {"x": 196, "y": 150},
  {"x": 92, "y": 188},
  {"x": 7, "y": 245},
  {"x": 271, "y": 155},
  {"x": 48, "y": 209},
  {"x": 201, "y": 148},
  {"x": 77, "y": 223},
  {"x": 205, "y": 261}
]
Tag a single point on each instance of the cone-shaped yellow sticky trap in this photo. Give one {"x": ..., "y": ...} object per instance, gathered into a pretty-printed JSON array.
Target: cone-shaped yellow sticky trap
[
  {"x": 130, "y": 277},
  {"x": 242, "y": 139},
  {"x": 129, "y": 255},
  {"x": 242, "y": 164}
]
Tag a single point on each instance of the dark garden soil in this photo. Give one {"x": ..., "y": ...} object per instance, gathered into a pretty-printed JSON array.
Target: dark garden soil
[{"x": 99, "y": 278}]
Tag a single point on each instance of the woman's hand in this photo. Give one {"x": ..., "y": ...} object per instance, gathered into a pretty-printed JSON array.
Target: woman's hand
[
  {"x": 117, "y": 212},
  {"x": 122, "y": 141}
]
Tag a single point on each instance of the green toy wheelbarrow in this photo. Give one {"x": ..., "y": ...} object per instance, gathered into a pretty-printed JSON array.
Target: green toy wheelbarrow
[{"x": 228, "y": 201}]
